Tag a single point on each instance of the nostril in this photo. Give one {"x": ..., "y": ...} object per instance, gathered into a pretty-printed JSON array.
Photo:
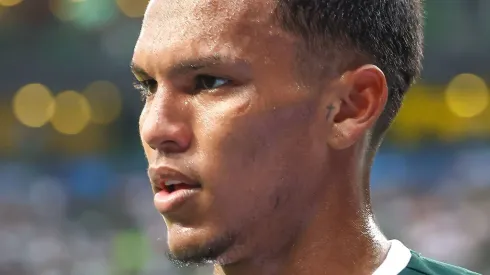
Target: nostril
[{"x": 172, "y": 147}]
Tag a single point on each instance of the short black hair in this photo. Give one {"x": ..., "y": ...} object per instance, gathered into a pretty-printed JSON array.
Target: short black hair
[{"x": 386, "y": 33}]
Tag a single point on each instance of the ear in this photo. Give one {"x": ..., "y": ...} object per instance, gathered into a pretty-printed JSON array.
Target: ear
[{"x": 362, "y": 99}]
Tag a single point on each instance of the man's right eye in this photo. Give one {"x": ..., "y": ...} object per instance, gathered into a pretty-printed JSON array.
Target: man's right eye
[{"x": 145, "y": 87}]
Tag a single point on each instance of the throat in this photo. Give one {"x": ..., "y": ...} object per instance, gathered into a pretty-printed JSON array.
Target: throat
[{"x": 321, "y": 248}]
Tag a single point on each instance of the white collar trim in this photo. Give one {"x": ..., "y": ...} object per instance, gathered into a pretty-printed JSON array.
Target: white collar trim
[{"x": 396, "y": 260}]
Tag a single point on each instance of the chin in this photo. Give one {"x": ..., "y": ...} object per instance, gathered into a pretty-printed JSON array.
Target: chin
[{"x": 188, "y": 246}]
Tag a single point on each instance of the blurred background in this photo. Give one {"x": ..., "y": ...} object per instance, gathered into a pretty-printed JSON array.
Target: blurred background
[{"x": 74, "y": 197}]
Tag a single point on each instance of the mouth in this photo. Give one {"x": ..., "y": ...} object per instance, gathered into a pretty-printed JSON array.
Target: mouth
[
  {"x": 172, "y": 188},
  {"x": 173, "y": 195}
]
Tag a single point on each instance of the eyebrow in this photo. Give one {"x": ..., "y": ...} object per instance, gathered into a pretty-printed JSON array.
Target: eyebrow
[{"x": 185, "y": 66}]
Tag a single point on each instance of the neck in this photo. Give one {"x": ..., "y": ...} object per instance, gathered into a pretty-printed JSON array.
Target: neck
[
  {"x": 339, "y": 236},
  {"x": 348, "y": 247}
]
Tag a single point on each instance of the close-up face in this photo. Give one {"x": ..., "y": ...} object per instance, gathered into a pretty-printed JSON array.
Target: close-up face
[{"x": 227, "y": 126}]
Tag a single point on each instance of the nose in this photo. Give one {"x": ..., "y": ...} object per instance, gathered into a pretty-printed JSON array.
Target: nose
[{"x": 164, "y": 123}]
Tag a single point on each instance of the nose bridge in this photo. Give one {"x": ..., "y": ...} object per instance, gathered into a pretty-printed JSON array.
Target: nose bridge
[
  {"x": 162, "y": 105},
  {"x": 164, "y": 123}
]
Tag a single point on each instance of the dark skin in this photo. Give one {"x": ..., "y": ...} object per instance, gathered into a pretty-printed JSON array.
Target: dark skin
[{"x": 282, "y": 165}]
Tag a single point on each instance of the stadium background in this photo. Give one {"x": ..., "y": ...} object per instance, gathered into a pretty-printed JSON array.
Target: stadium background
[{"x": 74, "y": 198}]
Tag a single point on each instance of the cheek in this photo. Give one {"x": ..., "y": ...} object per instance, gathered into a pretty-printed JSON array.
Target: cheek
[{"x": 254, "y": 161}]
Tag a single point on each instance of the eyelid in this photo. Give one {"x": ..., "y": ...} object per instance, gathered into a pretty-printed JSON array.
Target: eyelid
[
  {"x": 147, "y": 86},
  {"x": 199, "y": 78},
  {"x": 138, "y": 77},
  {"x": 144, "y": 87},
  {"x": 148, "y": 82}
]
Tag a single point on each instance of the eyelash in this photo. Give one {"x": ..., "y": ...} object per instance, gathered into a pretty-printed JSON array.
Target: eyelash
[{"x": 145, "y": 87}]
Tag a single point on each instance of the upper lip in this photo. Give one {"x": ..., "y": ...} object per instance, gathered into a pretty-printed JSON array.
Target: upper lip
[{"x": 159, "y": 174}]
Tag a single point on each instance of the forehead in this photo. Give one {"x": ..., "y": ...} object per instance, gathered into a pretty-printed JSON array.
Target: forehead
[
  {"x": 208, "y": 15},
  {"x": 192, "y": 26}
]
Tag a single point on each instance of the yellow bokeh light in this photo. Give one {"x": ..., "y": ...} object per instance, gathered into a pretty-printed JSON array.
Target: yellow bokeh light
[
  {"x": 132, "y": 8},
  {"x": 72, "y": 113},
  {"x": 414, "y": 117},
  {"x": 467, "y": 95},
  {"x": 105, "y": 101},
  {"x": 33, "y": 105},
  {"x": 9, "y": 3}
]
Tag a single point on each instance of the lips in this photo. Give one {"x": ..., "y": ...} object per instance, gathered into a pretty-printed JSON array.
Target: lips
[
  {"x": 172, "y": 188},
  {"x": 173, "y": 185}
]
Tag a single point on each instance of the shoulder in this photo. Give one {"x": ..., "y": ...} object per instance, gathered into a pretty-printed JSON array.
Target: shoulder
[{"x": 420, "y": 265}]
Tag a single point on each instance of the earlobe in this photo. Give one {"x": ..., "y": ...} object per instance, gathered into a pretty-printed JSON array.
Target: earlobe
[{"x": 363, "y": 98}]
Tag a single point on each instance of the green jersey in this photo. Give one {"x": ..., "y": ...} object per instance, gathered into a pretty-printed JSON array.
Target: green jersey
[
  {"x": 419, "y": 265},
  {"x": 402, "y": 261}
]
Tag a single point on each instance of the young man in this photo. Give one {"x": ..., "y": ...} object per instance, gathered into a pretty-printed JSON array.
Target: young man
[{"x": 260, "y": 125}]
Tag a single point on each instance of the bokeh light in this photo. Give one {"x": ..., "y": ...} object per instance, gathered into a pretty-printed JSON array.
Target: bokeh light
[
  {"x": 72, "y": 113},
  {"x": 105, "y": 101},
  {"x": 9, "y": 3},
  {"x": 62, "y": 9},
  {"x": 132, "y": 8},
  {"x": 403, "y": 129},
  {"x": 467, "y": 95},
  {"x": 33, "y": 105},
  {"x": 84, "y": 13}
]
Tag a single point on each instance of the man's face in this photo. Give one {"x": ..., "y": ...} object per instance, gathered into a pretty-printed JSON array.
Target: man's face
[{"x": 226, "y": 111}]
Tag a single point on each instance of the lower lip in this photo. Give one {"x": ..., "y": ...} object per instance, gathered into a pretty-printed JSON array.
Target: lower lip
[{"x": 166, "y": 202}]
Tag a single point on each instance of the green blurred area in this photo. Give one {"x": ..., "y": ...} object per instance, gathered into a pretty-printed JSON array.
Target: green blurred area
[{"x": 131, "y": 251}]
